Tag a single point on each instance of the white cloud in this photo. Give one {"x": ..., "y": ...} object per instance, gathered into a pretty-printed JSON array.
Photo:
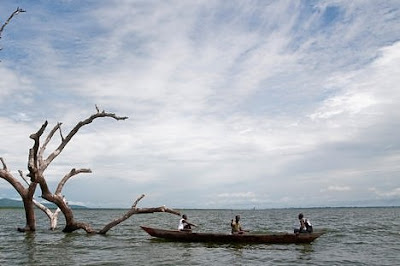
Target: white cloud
[
  {"x": 337, "y": 188},
  {"x": 237, "y": 195},
  {"x": 12, "y": 83},
  {"x": 386, "y": 194},
  {"x": 280, "y": 99}
]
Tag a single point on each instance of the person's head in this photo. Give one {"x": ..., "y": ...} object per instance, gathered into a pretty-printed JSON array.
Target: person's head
[
  {"x": 237, "y": 218},
  {"x": 301, "y": 216},
  {"x": 184, "y": 216}
]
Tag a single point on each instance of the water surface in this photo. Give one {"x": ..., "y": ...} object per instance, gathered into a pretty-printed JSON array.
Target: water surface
[{"x": 355, "y": 236}]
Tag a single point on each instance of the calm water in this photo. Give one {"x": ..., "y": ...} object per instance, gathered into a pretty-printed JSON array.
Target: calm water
[{"x": 355, "y": 236}]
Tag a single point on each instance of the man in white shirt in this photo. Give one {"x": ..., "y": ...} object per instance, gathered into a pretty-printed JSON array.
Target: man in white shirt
[{"x": 184, "y": 225}]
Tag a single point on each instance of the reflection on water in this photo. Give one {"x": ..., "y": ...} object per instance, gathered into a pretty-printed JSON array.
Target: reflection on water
[
  {"x": 304, "y": 251},
  {"x": 30, "y": 245}
]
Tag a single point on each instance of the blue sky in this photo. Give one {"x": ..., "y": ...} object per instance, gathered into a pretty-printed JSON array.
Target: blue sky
[{"x": 231, "y": 104}]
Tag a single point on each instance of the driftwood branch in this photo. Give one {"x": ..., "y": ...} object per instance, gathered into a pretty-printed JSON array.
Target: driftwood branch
[{"x": 133, "y": 210}]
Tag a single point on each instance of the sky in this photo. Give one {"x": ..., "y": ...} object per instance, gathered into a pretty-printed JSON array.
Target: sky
[{"x": 231, "y": 104}]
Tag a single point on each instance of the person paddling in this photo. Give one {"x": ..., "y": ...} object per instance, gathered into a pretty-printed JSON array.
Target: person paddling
[
  {"x": 236, "y": 226},
  {"x": 305, "y": 225},
  {"x": 184, "y": 224}
]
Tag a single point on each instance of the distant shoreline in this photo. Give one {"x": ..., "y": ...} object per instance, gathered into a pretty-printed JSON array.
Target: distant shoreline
[
  {"x": 17, "y": 204},
  {"x": 6, "y": 203}
]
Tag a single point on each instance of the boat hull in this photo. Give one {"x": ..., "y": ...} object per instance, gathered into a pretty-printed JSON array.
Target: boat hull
[{"x": 271, "y": 238}]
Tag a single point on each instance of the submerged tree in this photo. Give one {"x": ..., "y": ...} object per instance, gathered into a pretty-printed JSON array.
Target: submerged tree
[{"x": 37, "y": 165}]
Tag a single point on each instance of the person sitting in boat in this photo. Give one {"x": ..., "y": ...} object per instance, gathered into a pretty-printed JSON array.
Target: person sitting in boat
[
  {"x": 236, "y": 226},
  {"x": 305, "y": 225},
  {"x": 184, "y": 224}
]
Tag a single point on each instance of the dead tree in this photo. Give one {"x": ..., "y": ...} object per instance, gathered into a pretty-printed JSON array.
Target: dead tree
[
  {"x": 37, "y": 165},
  {"x": 57, "y": 198}
]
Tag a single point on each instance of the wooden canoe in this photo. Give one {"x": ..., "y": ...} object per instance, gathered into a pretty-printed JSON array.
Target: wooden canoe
[{"x": 270, "y": 238}]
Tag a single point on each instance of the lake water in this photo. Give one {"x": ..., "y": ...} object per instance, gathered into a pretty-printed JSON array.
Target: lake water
[{"x": 355, "y": 236}]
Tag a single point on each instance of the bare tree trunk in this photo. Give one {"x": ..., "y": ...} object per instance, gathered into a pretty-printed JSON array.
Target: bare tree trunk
[
  {"x": 53, "y": 216},
  {"x": 26, "y": 196},
  {"x": 30, "y": 215}
]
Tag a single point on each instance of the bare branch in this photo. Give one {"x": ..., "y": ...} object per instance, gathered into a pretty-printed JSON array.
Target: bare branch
[
  {"x": 61, "y": 134},
  {"x": 16, "y": 12},
  {"x": 137, "y": 200},
  {"x": 31, "y": 186},
  {"x": 53, "y": 216},
  {"x": 75, "y": 130},
  {"x": 4, "y": 164},
  {"x": 46, "y": 210},
  {"x": 23, "y": 177},
  {"x": 6, "y": 175},
  {"x": 68, "y": 176},
  {"x": 133, "y": 211},
  {"x": 33, "y": 153},
  {"x": 57, "y": 212},
  {"x": 48, "y": 138}
]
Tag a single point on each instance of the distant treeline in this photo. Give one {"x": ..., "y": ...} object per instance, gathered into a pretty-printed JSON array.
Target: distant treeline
[{"x": 10, "y": 203}]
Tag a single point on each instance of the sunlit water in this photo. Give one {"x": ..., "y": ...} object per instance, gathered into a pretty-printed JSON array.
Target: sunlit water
[{"x": 355, "y": 236}]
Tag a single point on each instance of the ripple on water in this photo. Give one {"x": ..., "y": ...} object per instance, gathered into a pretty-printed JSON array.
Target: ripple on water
[{"x": 354, "y": 236}]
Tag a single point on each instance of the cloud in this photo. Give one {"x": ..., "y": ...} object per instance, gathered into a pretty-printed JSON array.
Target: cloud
[
  {"x": 13, "y": 85},
  {"x": 367, "y": 90},
  {"x": 392, "y": 193},
  {"x": 337, "y": 188},
  {"x": 252, "y": 101},
  {"x": 237, "y": 195}
]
